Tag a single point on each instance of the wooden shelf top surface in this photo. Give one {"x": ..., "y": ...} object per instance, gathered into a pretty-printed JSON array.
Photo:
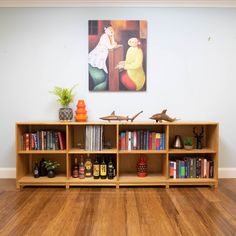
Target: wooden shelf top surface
[
  {"x": 150, "y": 178},
  {"x": 192, "y": 180},
  {"x": 142, "y": 151},
  {"x": 91, "y": 180},
  {"x": 82, "y": 151},
  {"x": 60, "y": 178},
  {"x": 42, "y": 152},
  {"x": 117, "y": 123},
  {"x": 192, "y": 151}
]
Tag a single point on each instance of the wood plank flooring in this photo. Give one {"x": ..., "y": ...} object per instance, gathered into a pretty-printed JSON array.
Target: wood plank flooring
[{"x": 118, "y": 212}]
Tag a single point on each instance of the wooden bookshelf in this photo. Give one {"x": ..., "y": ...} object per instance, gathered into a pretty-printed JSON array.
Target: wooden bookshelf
[{"x": 126, "y": 159}]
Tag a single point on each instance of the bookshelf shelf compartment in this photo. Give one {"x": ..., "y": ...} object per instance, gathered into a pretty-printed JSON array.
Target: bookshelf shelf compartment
[{"x": 106, "y": 142}]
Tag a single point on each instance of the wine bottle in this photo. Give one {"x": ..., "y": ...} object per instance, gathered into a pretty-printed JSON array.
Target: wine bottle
[
  {"x": 103, "y": 169},
  {"x": 81, "y": 168},
  {"x": 88, "y": 167},
  {"x": 110, "y": 169},
  {"x": 75, "y": 171},
  {"x": 42, "y": 168},
  {"x": 96, "y": 168},
  {"x": 36, "y": 170}
]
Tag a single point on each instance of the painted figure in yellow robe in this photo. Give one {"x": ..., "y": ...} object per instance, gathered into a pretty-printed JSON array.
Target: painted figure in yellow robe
[{"x": 133, "y": 76}]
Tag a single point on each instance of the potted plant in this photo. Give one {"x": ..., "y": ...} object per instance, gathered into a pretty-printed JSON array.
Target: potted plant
[
  {"x": 65, "y": 97},
  {"x": 188, "y": 143},
  {"x": 50, "y": 167}
]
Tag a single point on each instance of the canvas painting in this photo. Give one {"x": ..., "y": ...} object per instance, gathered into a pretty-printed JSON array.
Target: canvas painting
[{"x": 117, "y": 55}]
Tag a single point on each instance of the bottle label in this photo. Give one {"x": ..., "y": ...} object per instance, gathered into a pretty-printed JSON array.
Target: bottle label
[
  {"x": 96, "y": 170},
  {"x": 88, "y": 165},
  {"x": 36, "y": 172},
  {"x": 81, "y": 170},
  {"x": 75, "y": 173},
  {"x": 103, "y": 170}
]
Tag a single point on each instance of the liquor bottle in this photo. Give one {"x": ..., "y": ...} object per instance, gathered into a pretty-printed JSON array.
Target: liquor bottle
[
  {"x": 96, "y": 168},
  {"x": 36, "y": 170},
  {"x": 110, "y": 169},
  {"x": 75, "y": 171},
  {"x": 81, "y": 168},
  {"x": 103, "y": 169},
  {"x": 88, "y": 167},
  {"x": 42, "y": 168}
]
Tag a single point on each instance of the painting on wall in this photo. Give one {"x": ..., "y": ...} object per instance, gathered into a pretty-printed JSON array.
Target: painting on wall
[{"x": 117, "y": 55}]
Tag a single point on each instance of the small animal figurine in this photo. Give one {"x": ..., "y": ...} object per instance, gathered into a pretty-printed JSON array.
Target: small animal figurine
[
  {"x": 198, "y": 135},
  {"x": 162, "y": 116},
  {"x": 113, "y": 116}
]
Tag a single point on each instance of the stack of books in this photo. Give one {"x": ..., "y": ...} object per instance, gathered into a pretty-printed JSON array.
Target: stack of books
[
  {"x": 141, "y": 140},
  {"x": 191, "y": 167},
  {"x": 44, "y": 140}
]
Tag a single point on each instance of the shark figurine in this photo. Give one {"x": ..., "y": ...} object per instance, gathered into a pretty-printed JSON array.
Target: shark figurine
[
  {"x": 114, "y": 117},
  {"x": 162, "y": 116}
]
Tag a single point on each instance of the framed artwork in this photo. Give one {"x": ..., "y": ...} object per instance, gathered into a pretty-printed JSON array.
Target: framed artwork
[{"x": 117, "y": 55}]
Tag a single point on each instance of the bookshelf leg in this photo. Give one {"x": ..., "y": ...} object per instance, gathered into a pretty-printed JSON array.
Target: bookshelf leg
[
  {"x": 18, "y": 187},
  {"x": 67, "y": 186},
  {"x": 216, "y": 185},
  {"x": 167, "y": 186},
  {"x": 117, "y": 185}
]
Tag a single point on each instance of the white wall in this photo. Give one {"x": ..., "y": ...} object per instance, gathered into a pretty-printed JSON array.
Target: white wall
[{"x": 191, "y": 68}]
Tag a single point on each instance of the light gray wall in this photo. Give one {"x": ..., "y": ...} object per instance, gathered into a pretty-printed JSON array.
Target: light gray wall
[{"x": 191, "y": 68}]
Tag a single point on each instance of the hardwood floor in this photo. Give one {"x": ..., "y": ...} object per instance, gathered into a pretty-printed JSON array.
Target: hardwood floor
[{"x": 124, "y": 211}]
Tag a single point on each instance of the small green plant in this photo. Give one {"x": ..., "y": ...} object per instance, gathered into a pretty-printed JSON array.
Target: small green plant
[
  {"x": 188, "y": 141},
  {"x": 51, "y": 165},
  {"x": 65, "y": 95}
]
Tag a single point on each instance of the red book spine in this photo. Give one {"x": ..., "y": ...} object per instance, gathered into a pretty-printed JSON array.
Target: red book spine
[{"x": 61, "y": 138}]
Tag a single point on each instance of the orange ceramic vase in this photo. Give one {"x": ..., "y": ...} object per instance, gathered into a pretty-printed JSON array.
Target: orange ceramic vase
[{"x": 81, "y": 113}]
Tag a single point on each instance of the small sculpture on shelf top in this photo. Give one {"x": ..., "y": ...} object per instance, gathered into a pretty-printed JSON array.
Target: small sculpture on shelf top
[
  {"x": 81, "y": 113},
  {"x": 198, "y": 135},
  {"x": 178, "y": 142},
  {"x": 162, "y": 116},
  {"x": 114, "y": 117}
]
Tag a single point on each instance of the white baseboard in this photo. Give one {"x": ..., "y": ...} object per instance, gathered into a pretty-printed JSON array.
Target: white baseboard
[
  {"x": 7, "y": 173},
  {"x": 10, "y": 173},
  {"x": 225, "y": 173}
]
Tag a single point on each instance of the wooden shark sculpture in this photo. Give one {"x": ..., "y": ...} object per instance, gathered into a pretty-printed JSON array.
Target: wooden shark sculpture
[
  {"x": 113, "y": 117},
  {"x": 162, "y": 116}
]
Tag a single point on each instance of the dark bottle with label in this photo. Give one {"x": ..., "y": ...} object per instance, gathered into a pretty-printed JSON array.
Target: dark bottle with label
[
  {"x": 110, "y": 169},
  {"x": 103, "y": 169},
  {"x": 42, "y": 168},
  {"x": 75, "y": 171},
  {"x": 36, "y": 170},
  {"x": 96, "y": 168},
  {"x": 81, "y": 168},
  {"x": 88, "y": 166}
]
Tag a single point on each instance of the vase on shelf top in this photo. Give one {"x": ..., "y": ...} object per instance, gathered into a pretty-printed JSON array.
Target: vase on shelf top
[{"x": 81, "y": 113}]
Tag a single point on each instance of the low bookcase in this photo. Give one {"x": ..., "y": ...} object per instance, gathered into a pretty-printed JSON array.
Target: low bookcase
[{"x": 125, "y": 142}]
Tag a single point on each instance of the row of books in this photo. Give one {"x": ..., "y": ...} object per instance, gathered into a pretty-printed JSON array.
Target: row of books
[
  {"x": 191, "y": 167},
  {"x": 44, "y": 140},
  {"x": 141, "y": 140},
  {"x": 94, "y": 137}
]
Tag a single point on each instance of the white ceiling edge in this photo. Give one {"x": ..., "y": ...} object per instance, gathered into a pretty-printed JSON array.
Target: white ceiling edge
[{"x": 117, "y": 3}]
